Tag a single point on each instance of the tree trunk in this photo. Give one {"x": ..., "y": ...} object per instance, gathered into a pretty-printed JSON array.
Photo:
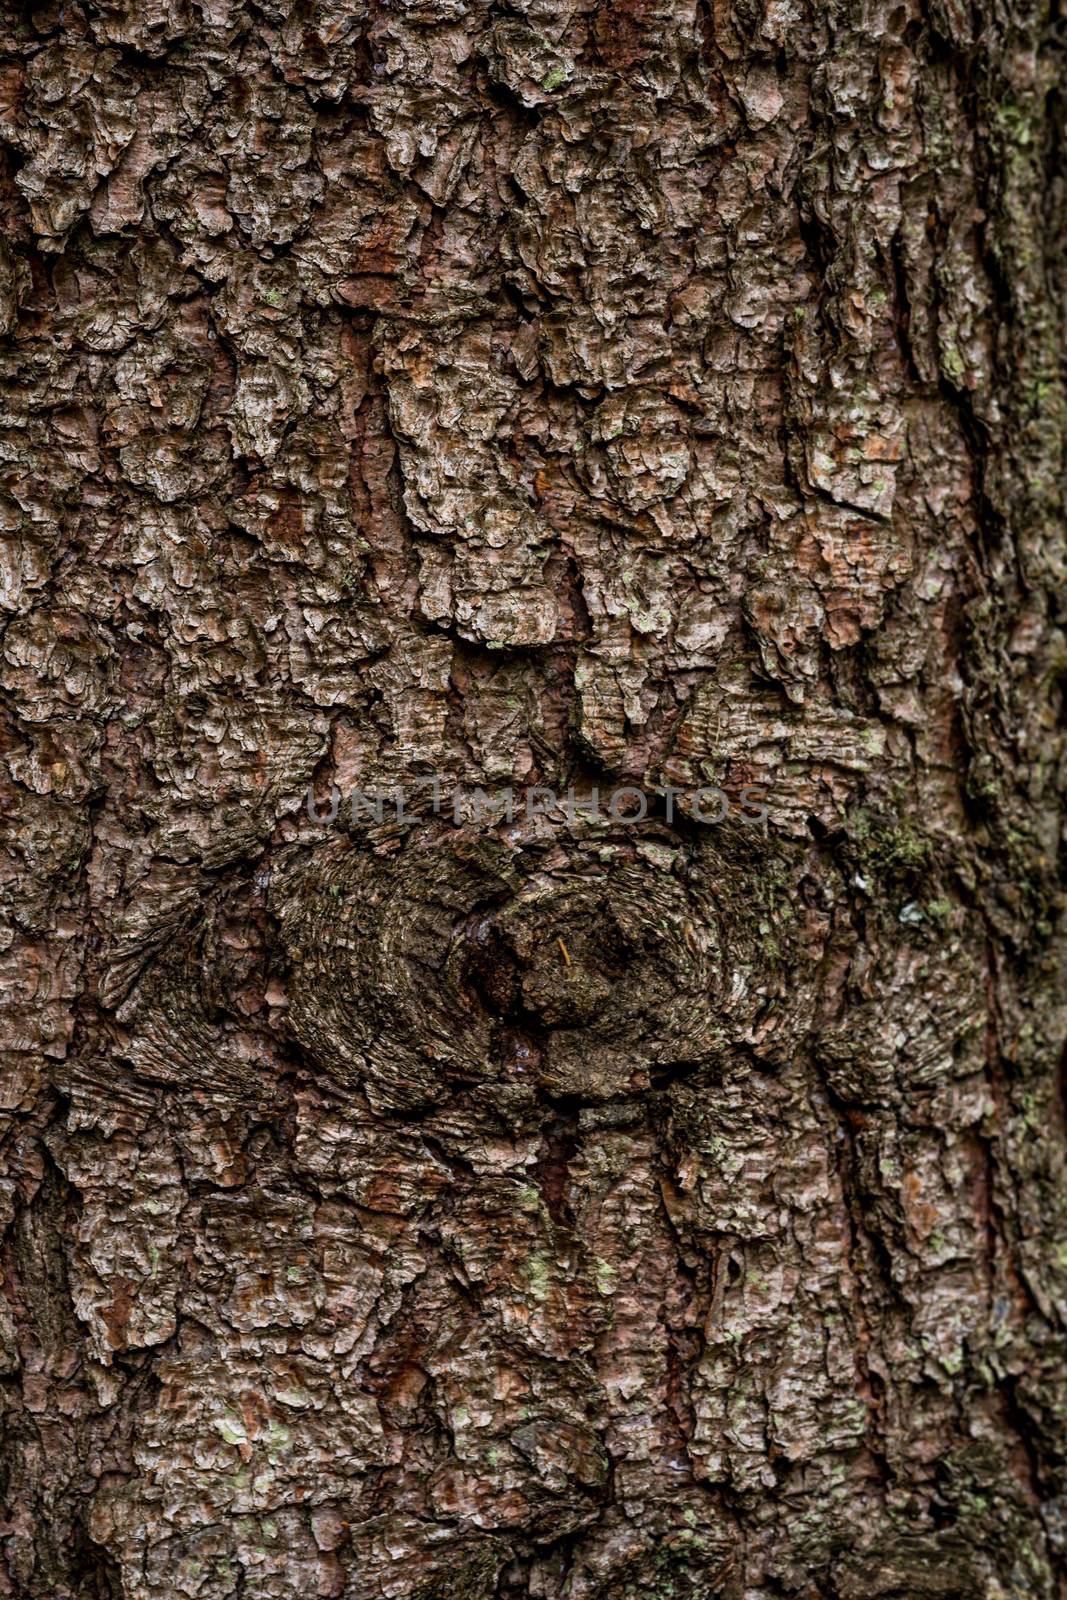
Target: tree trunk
[{"x": 617, "y": 1199}]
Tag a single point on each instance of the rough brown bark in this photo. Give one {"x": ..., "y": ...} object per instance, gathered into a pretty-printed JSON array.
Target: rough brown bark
[{"x": 659, "y": 393}]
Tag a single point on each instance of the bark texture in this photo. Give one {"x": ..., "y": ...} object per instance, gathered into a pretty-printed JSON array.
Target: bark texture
[{"x": 659, "y": 392}]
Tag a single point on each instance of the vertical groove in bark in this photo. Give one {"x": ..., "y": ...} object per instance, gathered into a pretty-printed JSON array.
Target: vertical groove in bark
[{"x": 666, "y": 394}]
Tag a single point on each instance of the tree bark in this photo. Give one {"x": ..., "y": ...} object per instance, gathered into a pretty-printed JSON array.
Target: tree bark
[{"x": 657, "y": 395}]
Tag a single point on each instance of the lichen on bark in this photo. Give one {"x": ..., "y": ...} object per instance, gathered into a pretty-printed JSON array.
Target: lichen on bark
[{"x": 660, "y": 394}]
